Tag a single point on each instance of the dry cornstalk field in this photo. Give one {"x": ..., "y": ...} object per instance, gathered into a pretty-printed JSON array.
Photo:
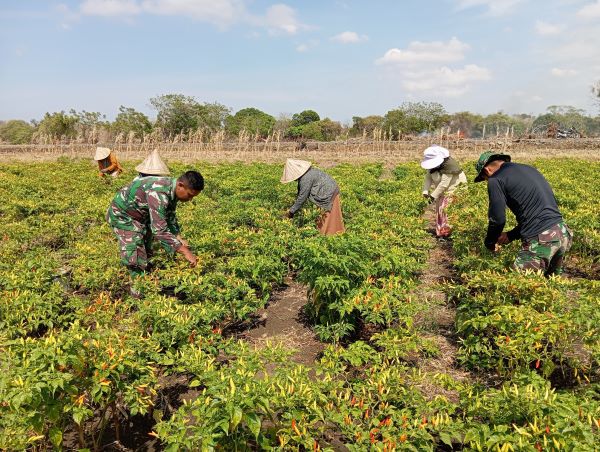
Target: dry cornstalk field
[{"x": 273, "y": 151}]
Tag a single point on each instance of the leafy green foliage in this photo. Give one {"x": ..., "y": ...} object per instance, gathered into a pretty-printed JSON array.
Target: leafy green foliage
[
  {"x": 415, "y": 117},
  {"x": 16, "y": 131},
  {"x": 80, "y": 357},
  {"x": 252, "y": 120},
  {"x": 131, "y": 121},
  {"x": 59, "y": 124},
  {"x": 177, "y": 114}
]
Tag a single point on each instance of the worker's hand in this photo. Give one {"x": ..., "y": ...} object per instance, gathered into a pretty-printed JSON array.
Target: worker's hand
[
  {"x": 428, "y": 198},
  {"x": 503, "y": 239},
  {"x": 183, "y": 241},
  {"x": 189, "y": 256}
]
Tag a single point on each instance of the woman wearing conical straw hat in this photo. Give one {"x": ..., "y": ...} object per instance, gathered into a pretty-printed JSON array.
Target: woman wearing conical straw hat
[
  {"x": 320, "y": 189},
  {"x": 107, "y": 162},
  {"x": 152, "y": 166}
]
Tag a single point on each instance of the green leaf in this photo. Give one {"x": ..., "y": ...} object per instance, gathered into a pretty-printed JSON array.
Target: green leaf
[
  {"x": 56, "y": 437},
  {"x": 446, "y": 438},
  {"x": 236, "y": 417},
  {"x": 254, "y": 423}
]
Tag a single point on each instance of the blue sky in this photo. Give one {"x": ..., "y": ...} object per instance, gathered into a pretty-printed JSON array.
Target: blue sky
[{"x": 341, "y": 58}]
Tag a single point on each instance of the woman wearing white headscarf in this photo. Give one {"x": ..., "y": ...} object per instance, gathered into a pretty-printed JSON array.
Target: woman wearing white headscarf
[
  {"x": 443, "y": 176},
  {"x": 321, "y": 189}
]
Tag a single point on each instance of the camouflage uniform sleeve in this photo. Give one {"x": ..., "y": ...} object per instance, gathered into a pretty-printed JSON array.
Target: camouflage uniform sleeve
[
  {"x": 172, "y": 222},
  {"x": 158, "y": 204}
]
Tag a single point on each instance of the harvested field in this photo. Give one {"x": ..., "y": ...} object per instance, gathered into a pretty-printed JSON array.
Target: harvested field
[{"x": 323, "y": 153}]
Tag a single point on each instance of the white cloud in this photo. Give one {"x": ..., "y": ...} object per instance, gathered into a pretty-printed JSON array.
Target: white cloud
[
  {"x": 349, "y": 37},
  {"x": 590, "y": 11},
  {"x": 547, "y": 29},
  {"x": 109, "y": 8},
  {"x": 558, "y": 72},
  {"x": 281, "y": 18},
  {"x": 306, "y": 46},
  {"x": 220, "y": 13},
  {"x": 277, "y": 19},
  {"x": 426, "y": 52},
  {"x": 494, "y": 7},
  {"x": 423, "y": 68},
  {"x": 445, "y": 81}
]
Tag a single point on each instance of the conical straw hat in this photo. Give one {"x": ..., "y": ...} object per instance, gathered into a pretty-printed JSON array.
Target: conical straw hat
[
  {"x": 101, "y": 153},
  {"x": 153, "y": 165},
  {"x": 294, "y": 169}
]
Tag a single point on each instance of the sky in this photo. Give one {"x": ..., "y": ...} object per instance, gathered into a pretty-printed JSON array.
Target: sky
[{"x": 341, "y": 58}]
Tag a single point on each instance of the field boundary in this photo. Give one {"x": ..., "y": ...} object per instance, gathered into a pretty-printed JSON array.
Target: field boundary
[{"x": 350, "y": 151}]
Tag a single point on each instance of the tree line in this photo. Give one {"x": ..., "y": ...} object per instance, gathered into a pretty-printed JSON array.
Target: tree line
[{"x": 180, "y": 115}]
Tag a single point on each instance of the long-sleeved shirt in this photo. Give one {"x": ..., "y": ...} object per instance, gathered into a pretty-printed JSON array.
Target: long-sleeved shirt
[
  {"x": 317, "y": 186},
  {"x": 524, "y": 190},
  {"x": 148, "y": 202},
  {"x": 444, "y": 179},
  {"x": 110, "y": 164}
]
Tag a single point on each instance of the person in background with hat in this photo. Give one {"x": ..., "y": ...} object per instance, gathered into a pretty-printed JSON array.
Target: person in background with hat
[
  {"x": 545, "y": 237},
  {"x": 152, "y": 166},
  {"x": 318, "y": 187},
  {"x": 443, "y": 176},
  {"x": 145, "y": 209},
  {"x": 107, "y": 162}
]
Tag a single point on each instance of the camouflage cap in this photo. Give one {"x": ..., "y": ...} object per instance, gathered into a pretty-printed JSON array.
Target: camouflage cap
[{"x": 484, "y": 159}]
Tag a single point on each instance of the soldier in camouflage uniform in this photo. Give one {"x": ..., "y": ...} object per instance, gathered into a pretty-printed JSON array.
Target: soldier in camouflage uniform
[
  {"x": 544, "y": 235},
  {"x": 144, "y": 210}
]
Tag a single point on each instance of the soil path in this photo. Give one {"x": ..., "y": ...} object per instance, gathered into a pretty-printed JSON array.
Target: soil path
[
  {"x": 438, "y": 321},
  {"x": 282, "y": 321}
]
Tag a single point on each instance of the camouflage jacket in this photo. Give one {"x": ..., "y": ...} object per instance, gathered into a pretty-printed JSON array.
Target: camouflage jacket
[{"x": 148, "y": 202}]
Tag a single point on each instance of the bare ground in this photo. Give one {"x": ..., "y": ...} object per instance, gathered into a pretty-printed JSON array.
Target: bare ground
[
  {"x": 438, "y": 321},
  {"x": 282, "y": 322}
]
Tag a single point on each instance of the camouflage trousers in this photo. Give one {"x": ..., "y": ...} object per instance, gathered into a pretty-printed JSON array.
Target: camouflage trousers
[
  {"x": 547, "y": 251},
  {"x": 135, "y": 248}
]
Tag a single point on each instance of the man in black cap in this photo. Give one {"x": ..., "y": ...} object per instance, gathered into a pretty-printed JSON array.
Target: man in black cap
[{"x": 544, "y": 235}]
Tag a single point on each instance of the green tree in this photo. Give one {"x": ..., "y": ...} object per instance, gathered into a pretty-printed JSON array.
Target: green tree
[
  {"x": 129, "y": 120},
  {"x": 305, "y": 117},
  {"x": 366, "y": 124},
  {"x": 313, "y": 131},
  {"x": 59, "y": 124},
  {"x": 468, "y": 123},
  {"x": 500, "y": 122},
  {"x": 16, "y": 131},
  {"x": 252, "y": 120},
  {"x": 177, "y": 113},
  {"x": 330, "y": 130},
  {"x": 596, "y": 92},
  {"x": 89, "y": 124},
  {"x": 565, "y": 116},
  {"x": 415, "y": 117},
  {"x": 395, "y": 121},
  {"x": 212, "y": 116}
]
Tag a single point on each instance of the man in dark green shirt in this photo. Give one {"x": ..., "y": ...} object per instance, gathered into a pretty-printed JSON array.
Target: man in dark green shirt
[{"x": 544, "y": 235}]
